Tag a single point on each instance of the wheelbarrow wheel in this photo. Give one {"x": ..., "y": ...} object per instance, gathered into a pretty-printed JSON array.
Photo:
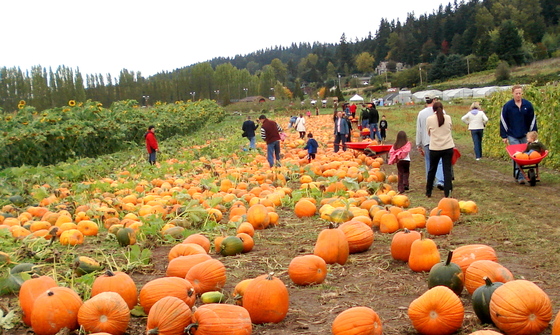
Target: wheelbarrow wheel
[{"x": 532, "y": 177}]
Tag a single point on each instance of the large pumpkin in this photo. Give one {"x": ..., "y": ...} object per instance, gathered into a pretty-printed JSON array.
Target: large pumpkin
[
  {"x": 466, "y": 254},
  {"x": 520, "y": 307},
  {"x": 307, "y": 270},
  {"x": 438, "y": 311},
  {"x": 169, "y": 315},
  {"x": 180, "y": 266},
  {"x": 485, "y": 332},
  {"x": 185, "y": 249},
  {"x": 199, "y": 239},
  {"x": 423, "y": 255},
  {"x": 29, "y": 291},
  {"x": 357, "y": 320},
  {"x": 332, "y": 246},
  {"x": 106, "y": 312},
  {"x": 474, "y": 276},
  {"x": 158, "y": 288},
  {"x": 257, "y": 215},
  {"x": 358, "y": 234},
  {"x": 55, "y": 309},
  {"x": 266, "y": 299},
  {"x": 439, "y": 224},
  {"x": 447, "y": 274},
  {"x": 214, "y": 319},
  {"x": 207, "y": 276},
  {"x": 118, "y": 282},
  {"x": 305, "y": 208},
  {"x": 401, "y": 243},
  {"x": 556, "y": 325},
  {"x": 449, "y": 207}
]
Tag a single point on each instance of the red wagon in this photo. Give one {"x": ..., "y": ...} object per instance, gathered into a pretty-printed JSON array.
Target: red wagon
[
  {"x": 529, "y": 168},
  {"x": 379, "y": 150}
]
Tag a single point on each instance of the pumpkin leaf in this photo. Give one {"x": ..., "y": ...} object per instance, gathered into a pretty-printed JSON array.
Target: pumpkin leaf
[
  {"x": 138, "y": 311},
  {"x": 7, "y": 321}
]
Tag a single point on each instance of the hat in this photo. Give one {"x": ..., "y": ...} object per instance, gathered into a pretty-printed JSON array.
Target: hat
[{"x": 429, "y": 96}]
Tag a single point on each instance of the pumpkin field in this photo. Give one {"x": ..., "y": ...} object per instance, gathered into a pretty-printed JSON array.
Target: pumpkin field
[{"x": 213, "y": 241}]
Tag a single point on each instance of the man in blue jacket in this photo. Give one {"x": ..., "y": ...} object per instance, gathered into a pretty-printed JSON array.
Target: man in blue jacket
[
  {"x": 249, "y": 128},
  {"x": 517, "y": 119}
]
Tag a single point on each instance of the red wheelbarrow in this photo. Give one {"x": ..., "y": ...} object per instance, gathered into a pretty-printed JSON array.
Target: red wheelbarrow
[{"x": 528, "y": 168}]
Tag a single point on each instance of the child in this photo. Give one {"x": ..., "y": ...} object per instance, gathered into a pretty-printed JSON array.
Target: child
[
  {"x": 308, "y": 114},
  {"x": 400, "y": 154},
  {"x": 311, "y": 147},
  {"x": 533, "y": 143},
  {"x": 382, "y": 127}
]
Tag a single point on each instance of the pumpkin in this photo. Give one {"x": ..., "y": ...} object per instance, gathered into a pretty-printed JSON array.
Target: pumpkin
[
  {"x": 266, "y": 299},
  {"x": 332, "y": 246},
  {"x": 168, "y": 316},
  {"x": 439, "y": 224},
  {"x": 185, "y": 249},
  {"x": 180, "y": 266},
  {"x": 239, "y": 291},
  {"x": 400, "y": 200},
  {"x": 474, "y": 276},
  {"x": 29, "y": 291},
  {"x": 449, "y": 207},
  {"x": 248, "y": 242},
  {"x": 447, "y": 274},
  {"x": 402, "y": 242},
  {"x": 126, "y": 236},
  {"x": 423, "y": 255},
  {"x": 83, "y": 265},
  {"x": 55, "y": 309},
  {"x": 305, "y": 208},
  {"x": 231, "y": 245},
  {"x": 485, "y": 332},
  {"x": 106, "y": 312},
  {"x": 118, "y": 282},
  {"x": 466, "y": 254},
  {"x": 468, "y": 207},
  {"x": 71, "y": 237},
  {"x": 88, "y": 228},
  {"x": 257, "y": 215},
  {"x": 213, "y": 319},
  {"x": 247, "y": 228},
  {"x": 438, "y": 311},
  {"x": 199, "y": 239},
  {"x": 520, "y": 307},
  {"x": 388, "y": 223},
  {"x": 207, "y": 276},
  {"x": 340, "y": 215},
  {"x": 357, "y": 320},
  {"x": 556, "y": 325},
  {"x": 358, "y": 234},
  {"x": 481, "y": 300},
  {"x": 307, "y": 270},
  {"x": 158, "y": 288}
]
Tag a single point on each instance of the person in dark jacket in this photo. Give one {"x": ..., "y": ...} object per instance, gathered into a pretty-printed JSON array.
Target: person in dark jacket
[
  {"x": 341, "y": 131},
  {"x": 311, "y": 147},
  {"x": 151, "y": 144},
  {"x": 270, "y": 132},
  {"x": 373, "y": 122},
  {"x": 517, "y": 118},
  {"x": 249, "y": 128}
]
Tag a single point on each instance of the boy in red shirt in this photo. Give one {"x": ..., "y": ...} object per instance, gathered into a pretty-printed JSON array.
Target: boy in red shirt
[{"x": 151, "y": 144}]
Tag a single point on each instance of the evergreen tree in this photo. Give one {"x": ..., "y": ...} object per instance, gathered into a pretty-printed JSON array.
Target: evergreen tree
[{"x": 509, "y": 43}]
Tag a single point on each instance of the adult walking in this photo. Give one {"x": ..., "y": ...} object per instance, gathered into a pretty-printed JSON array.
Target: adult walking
[
  {"x": 341, "y": 131},
  {"x": 270, "y": 133},
  {"x": 476, "y": 119},
  {"x": 516, "y": 120},
  {"x": 373, "y": 122},
  {"x": 249, "y": 128},
  {"x": 423, "y": 139},
  {"x": 364, "y": 118},
  {"x": 300, "y": 126},
  {"x": 441, "y": 145},
  {"x": 151, "y": 144}
]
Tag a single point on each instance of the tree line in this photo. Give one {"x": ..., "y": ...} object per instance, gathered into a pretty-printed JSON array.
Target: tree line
[{"x": 454, "y": 40}]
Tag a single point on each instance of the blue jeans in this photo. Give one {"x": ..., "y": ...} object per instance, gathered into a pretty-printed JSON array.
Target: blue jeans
[
  {"x": 272, "y": 152},
  {"x": 338, "y": 137},
  {"x": 439, "y": 180},
  {"x": 513, "y": 140},
  {"x": 252, "y": 142},
  {"x": 152, "y": 157},
  {"x": 477, "y": 140},
  {"x": 373, "y": 133}
]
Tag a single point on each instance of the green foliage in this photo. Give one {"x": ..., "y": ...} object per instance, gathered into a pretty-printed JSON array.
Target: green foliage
[{"x": 502, "y": 72}]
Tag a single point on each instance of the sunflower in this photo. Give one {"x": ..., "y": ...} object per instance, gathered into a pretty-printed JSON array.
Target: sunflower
[
  {"x": 21, "y": 106},
  {"x": 22, "y": 102},
  {"x": 72, "y": 103}
]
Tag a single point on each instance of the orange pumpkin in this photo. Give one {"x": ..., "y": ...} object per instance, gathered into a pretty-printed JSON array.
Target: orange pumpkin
[
  {"x": 185, "y": 249},
  {"x": 332, "y": 246},
  {"x": 247, "y": 228},
  {"x": 449, "y": 207},
  {"x": 556, "y": 325},
  {"x": 239, "y": 291},
  {"x": 207, "y": 276},
  {"x": 106, "y": 312},
  {"x": 29, "y": 291},
  {"x": 438, "y": 311},
  {"x": 423, "y": 255},
  {"x": 307, "y": 270},
  {"x": 388, "y": 223},
  {"x": 220, "y": 319},
  {"x": 474, "y": 276},
  {"x": 439, "y": 225},
  {"x": 180, "y": 266},
  {"x": 357, "y": 320},
  {"x": 358, "y": 234},
  {"x": 402, "y": 242},
  {"x": 257, "y": 215},
  {"x": 169, "y": 315},
  {"x": 71, "y": 237},
  {"x": 55, "y": 309},
  {"x": 466, "y": 254},
  {"x": 158, "y": 288},
  {"x": 118, "y": 282},
  {"x": 486, "y": 332},
  {"x": 266, "y": 299},
  {"x": 199, "y": 239},
  {"x": 88, "y": 228},
  {"x": 305, "y": 208},
  {"x": 248, "y": 242},
  {"x": 520, "y": 307}
]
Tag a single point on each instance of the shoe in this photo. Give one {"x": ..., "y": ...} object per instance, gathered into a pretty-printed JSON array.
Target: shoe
[
  {"x": 440, "y": 187},
  {"x": 428, "y": 194},
  {"x": 406, "y": 188},
  {"x": 521, "y": 181},
  {"x": 478, "y": 159}
]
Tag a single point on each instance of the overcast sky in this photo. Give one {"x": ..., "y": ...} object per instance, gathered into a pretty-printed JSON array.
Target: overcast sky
[{"x": 155, "y": 36}]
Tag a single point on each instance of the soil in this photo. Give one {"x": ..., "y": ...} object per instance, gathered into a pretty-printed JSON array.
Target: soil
[{"x": 518, "y": 221}]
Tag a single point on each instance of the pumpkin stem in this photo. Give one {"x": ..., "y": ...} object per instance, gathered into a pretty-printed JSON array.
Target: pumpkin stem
[
  {"x": 190, "y": 292},
  {"x": 109, "y": 273},
  {"x": 50, "y": 293},
  {"x": 449, "y": 256},
  {"x": 154, "y": 331},
  {"x": 270, "y": 275},
  {"x": 406, "y": 231},
  {"x": 487, "y": 281},
  {"x": 188, "y": 328}
]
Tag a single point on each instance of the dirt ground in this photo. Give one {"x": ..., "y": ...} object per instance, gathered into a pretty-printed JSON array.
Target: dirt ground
[{"x": 518, "y": 221}]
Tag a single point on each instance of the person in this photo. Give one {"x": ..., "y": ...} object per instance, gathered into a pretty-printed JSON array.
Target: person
[
  {"x": 346, "y": 109},
  {"x": 353, "y": 109},
  {"x": 249, "y": 128},
  {"x": 476, "y": 119},
  {"x": 311, "y": 147},
  {"x": 293, "y": 119},
  {"x": 423, "y": 139},
  {"x": 317, "y": 110},
  {"x": 341, "y": 131},
  {"x": 309, "y": 113},
  {"x": 516, "y": 119},
  {"x": 383, "y": 125},
  {"x": 151, "y": 144},
  {"x": 270, "y": 132},
  {"x": 400, "y": 154},
  {"x": 533, "y": 143},
  {"x": 441, "y": 146},
  {"x": 364, "y": 118},
  {"x": 299, "y": 125},
  {"x": 349, "y": 137},
  {"x": 373, "y": 121}
]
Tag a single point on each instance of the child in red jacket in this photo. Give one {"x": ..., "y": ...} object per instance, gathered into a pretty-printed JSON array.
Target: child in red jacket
[{"x": 151, "y": 144}]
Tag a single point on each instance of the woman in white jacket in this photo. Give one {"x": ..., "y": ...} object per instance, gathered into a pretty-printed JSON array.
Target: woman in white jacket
[
  {"x": 476, "y": 119},
  {"x": 300, "y": 126}
]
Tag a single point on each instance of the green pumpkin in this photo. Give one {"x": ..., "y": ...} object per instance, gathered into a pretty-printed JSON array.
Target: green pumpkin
[
  {"x": 447, "y": 274},
  {"x": 481, "y": 300},
  {"x": 84, "y": 264},
  {"x": 23, "y": 267},
  {"x": 126, "y": 236},
  {"x": 175, "y": 232},
  {"x": 212, "y": 297},
  {"x": 231, "y": 245}
]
